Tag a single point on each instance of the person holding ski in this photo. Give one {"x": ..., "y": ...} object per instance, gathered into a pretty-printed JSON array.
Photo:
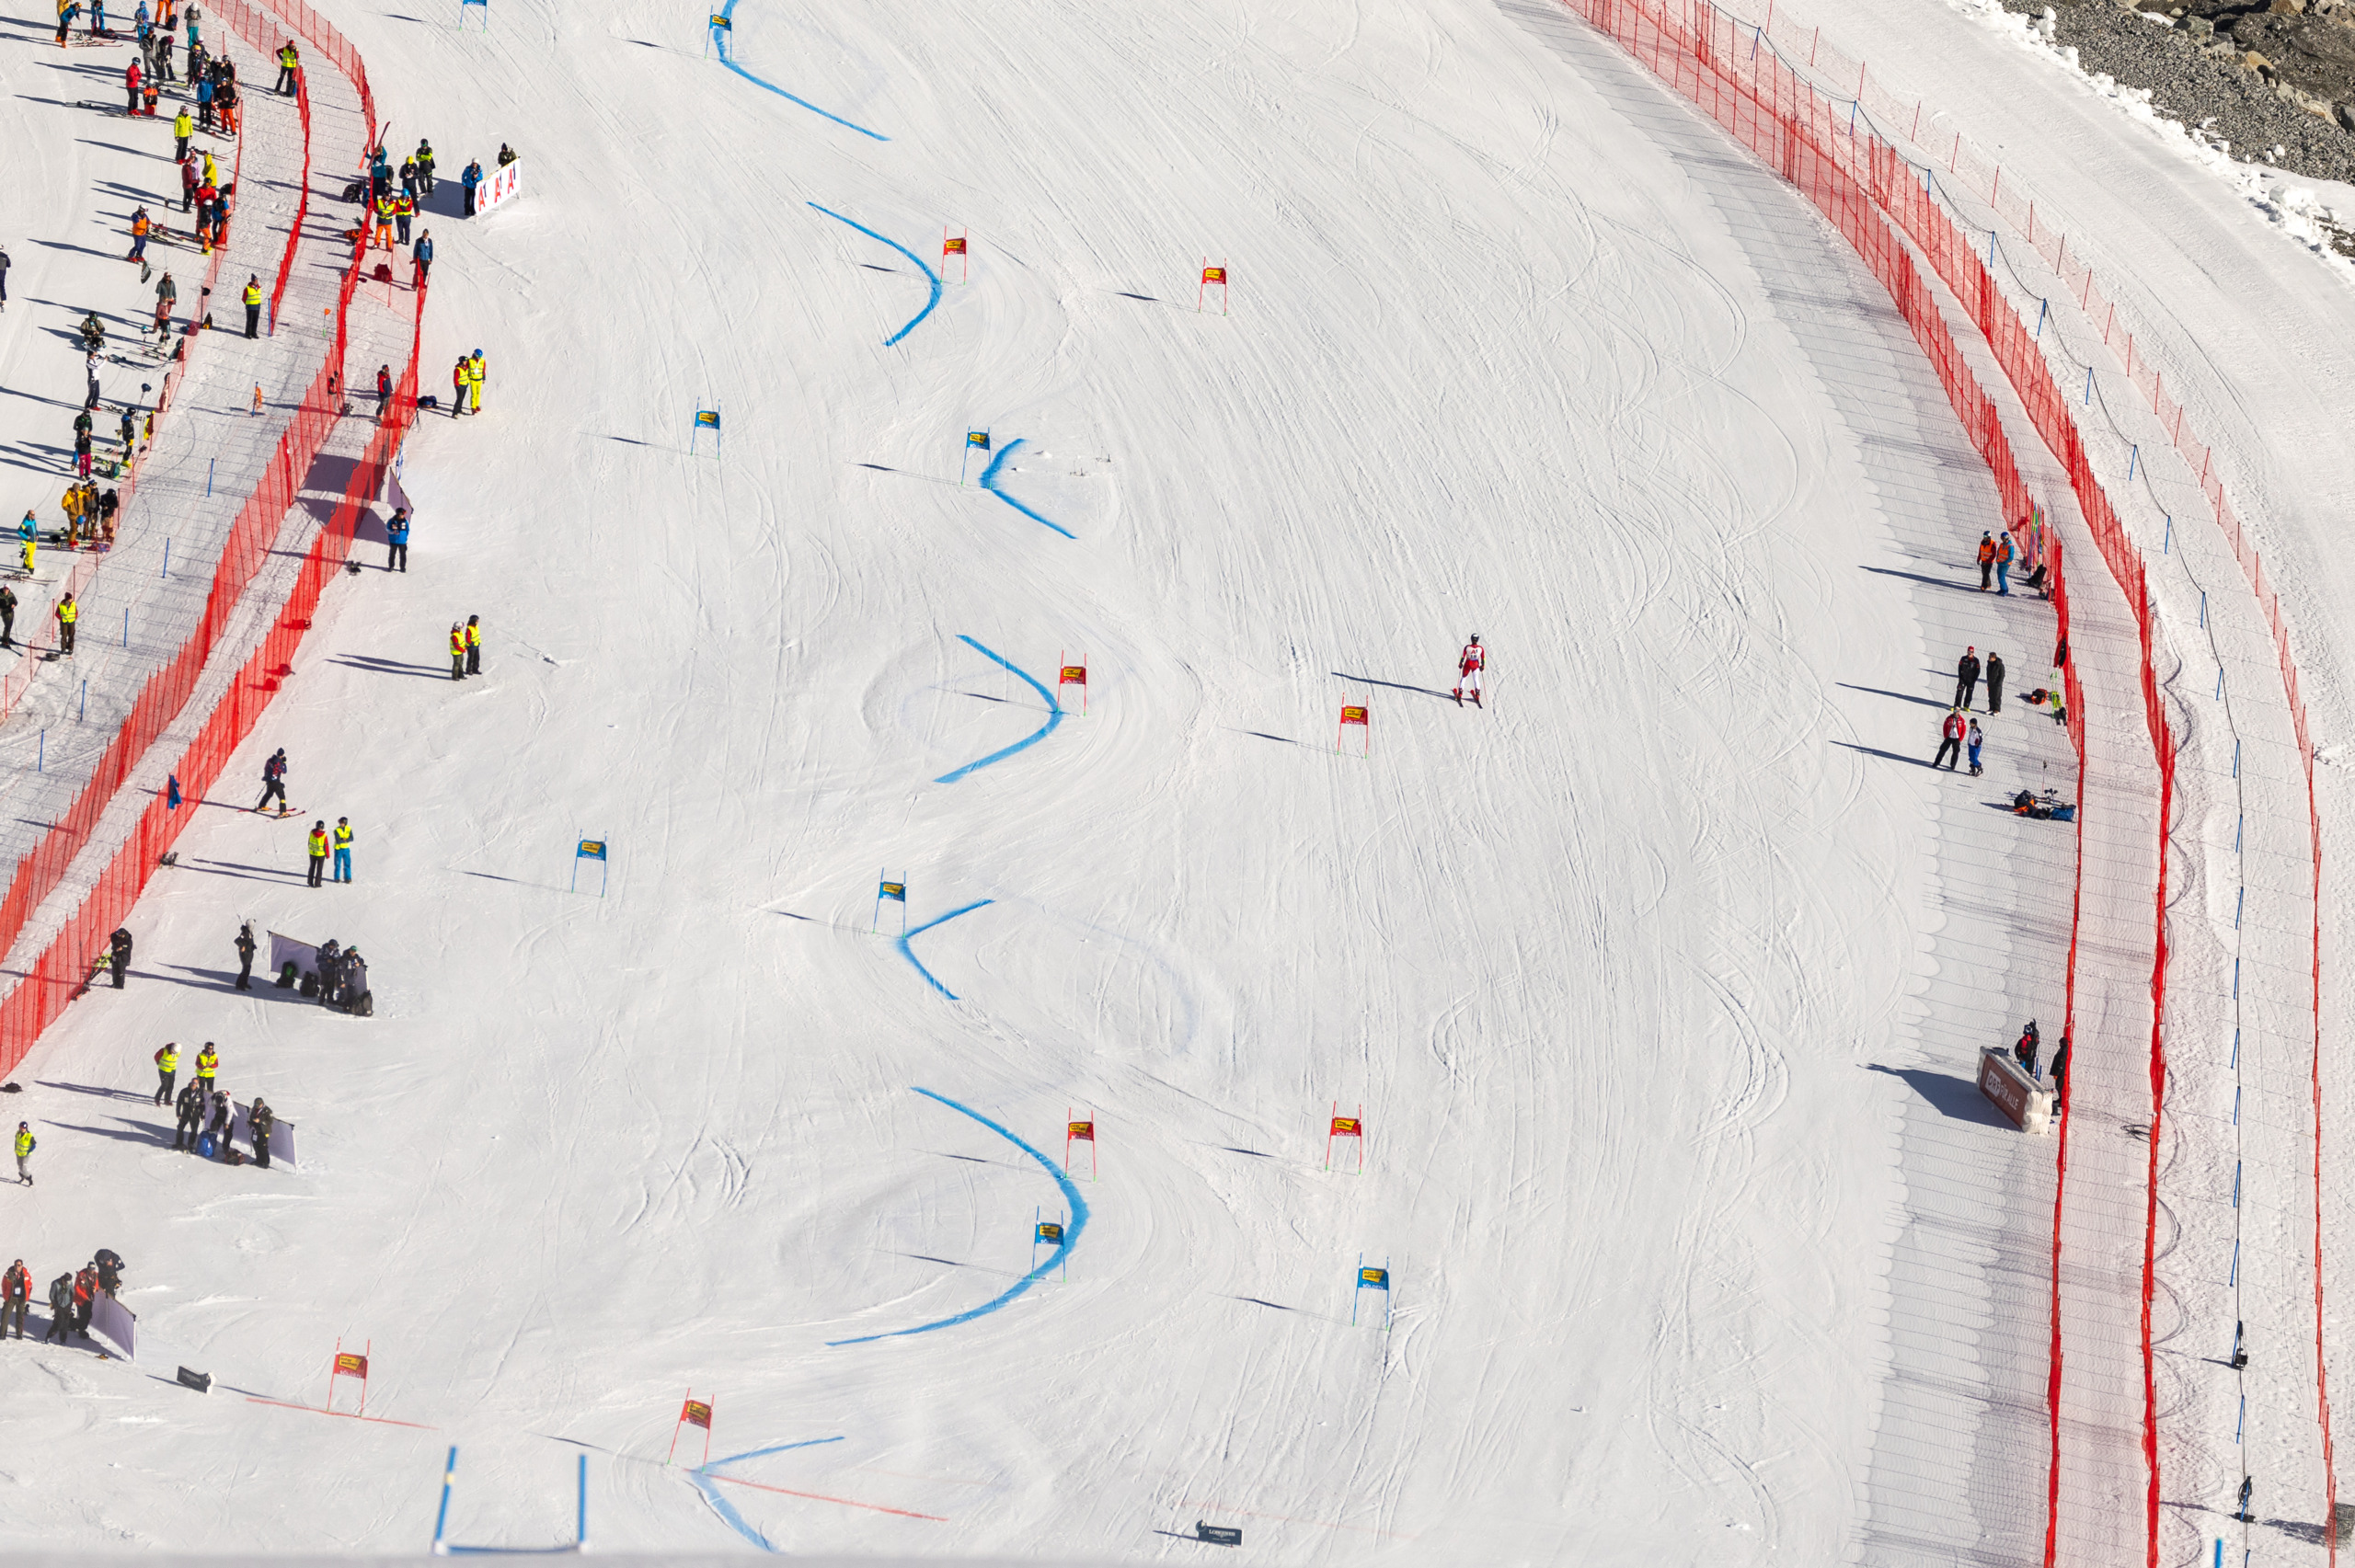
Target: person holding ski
[
  {"x": 1950, "y": 748},
  {"x": 246, "y": 946},
  {"x": 1965, "y": 678},
  {"x": 318, "y": 846},
  {"x": 273, "y": 781},
  {"x": 167, "y": 1071},
  {"x": 1468, "y": 666}
]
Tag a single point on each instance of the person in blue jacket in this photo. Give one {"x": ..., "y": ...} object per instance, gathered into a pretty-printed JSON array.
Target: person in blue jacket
[
  {"x": 396, "y": 541},
  {"x": 472, "y": 178},
  {"x": 421, "y": 255}
]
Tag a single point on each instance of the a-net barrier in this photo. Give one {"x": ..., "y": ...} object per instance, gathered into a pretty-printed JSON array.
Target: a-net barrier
[
  {"x": 65, "y": 966},
  {"x": 1965, "y": 165},
  {"x": 1864, "y": 186}
]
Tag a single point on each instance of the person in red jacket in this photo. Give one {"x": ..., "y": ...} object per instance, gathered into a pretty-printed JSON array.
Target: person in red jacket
[
  {"x": 1950, "y": 752},
  {"x": 86, "y": 1290},
  {"x": 131, "y": 84},
  {"x": 15, "y": 1294}
]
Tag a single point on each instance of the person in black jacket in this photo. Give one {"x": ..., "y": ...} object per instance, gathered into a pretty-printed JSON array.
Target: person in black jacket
[
  {"x": 7, "y": 617},
  {"x": 1994, "y": 682},
  {"x": 191, "y": 1108},
  {"x": 119, "y": 955},
  {"x": 273, "y": 781},
  {"x": 61, "y": 1310},
  {"x": 1965, "y": 678},
  {"x": 220, "y": 1127},
  {"x": 246, "y": 945},
  {"x": 109, "y": 1263},
  {"x": 260, "y": 1120}
]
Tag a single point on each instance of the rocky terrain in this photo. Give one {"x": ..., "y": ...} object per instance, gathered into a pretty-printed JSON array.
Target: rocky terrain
[{"x": 2271, "y": 81}]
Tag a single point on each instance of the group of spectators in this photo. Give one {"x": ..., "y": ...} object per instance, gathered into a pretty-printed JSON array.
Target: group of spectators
[{"x": 73, "y": 1297}]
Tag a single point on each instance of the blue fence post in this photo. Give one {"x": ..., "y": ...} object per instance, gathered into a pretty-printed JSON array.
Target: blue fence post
[{"x": 2043, "y": 309}]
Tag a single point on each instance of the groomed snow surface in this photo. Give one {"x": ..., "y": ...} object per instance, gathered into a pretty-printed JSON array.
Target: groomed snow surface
[{"x": 1659, "y": 981}]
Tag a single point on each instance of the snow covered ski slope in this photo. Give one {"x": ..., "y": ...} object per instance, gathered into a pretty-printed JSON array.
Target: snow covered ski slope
[{"x": 1659, "y": 980}]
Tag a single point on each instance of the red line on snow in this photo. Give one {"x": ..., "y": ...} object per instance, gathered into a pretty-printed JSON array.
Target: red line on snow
[
  {"x": 822, "y": 1497},
  {"x": 345, "y": 1414}
]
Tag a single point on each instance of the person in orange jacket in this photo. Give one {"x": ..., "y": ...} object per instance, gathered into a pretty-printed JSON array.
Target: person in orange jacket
[{"x": 1986, "y": 561}]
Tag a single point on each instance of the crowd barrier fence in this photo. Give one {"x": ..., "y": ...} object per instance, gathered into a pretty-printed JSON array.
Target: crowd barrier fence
[
  {"x": 1863, "y": 186},
  {"x": 65, "y": 966}
]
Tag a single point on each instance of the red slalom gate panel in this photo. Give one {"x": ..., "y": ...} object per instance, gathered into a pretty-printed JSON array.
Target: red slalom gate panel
[{"x": 1853, "y": 179}]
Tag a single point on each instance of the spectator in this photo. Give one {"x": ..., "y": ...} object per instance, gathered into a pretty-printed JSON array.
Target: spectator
[
  {"x": 60, "y": 1307},
  {"x": 15, "y": 1294},
  {"x": 343, "y": 849},
  {"x": 260, "y": 1120},
  {"x": 421, "y": 259},
  {"x": 191, "y": 1121},
  {"x": 1977, "y": 740},
  {"x": 318, "y": 849},
  {"x": 167, "y": 1071},
  {"x": 396, "y": 541},
  {"x": 472, "y": 178},
  {"x": 1994, "y": 682},
  {"x": 290, "y": 69},
  {"x": 474, "y": 645},
  {"x": 119, "y": 955},
  {"x": 1950, "y": 748},
  {"x": 1986, "y": 559},
  {"x": 253, "y": 304},
  {"x": 1965, "y": 678},
  {"x": 218, "y": 1129},
  {"x": 26, "y": 1144},
  {"x": 246, "y": 946}
]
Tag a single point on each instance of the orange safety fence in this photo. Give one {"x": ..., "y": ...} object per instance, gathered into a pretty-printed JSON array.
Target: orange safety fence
[{"x": 1862, "y": 186}]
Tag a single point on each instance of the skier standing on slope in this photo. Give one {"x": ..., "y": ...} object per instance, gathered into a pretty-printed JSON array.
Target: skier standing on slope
[
  {"x": 273, "y": 780},
  {"x": 1950, "y": 748},
  {"x": 1965, "y": 678},
  {"x": 1468, "y": 667}
]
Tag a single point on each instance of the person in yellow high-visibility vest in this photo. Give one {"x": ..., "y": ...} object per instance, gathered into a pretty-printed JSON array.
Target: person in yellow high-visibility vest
[
  {"x": 318, "y": 850},
  {"x": 457, "y": 651},
  {"x": 290, "y": 69},
  {"x": 253, "y": 304},
  {"x": 343, "y": 849},
  {"x": 26, "y": 1144},
  {"x": 67, "y": 613},
  {"x": 167, "y": 1071},
  {"x": 475, "y": 372},
  {"x": 384, "y": 234},
  {"x": 182, "y": 129},
  {"x": 208, "y": 1067},
  {"x": 474, "y": 645}
]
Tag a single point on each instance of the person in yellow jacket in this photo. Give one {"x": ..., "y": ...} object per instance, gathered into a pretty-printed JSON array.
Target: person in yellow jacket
[
  {"x": 208, "y": 1067},
  {"x": 67, "y": 613},
  {"x": 167, "y": 1071},
  {"x": 253, "y": 304},
  {"x": 384, "y": 234},
  {"x": 474, "y": 645},
  {"x": 343, "y": 849},
  {"x": 457, "y": 651},
  {"x": 26, "y": 1142},
  {"x": 211, "y": 175},
  {"x": 182, "y": 129},
  {"x": 290, "y": 69},
  {"x": 404, "y": 209},
  {"x": 318, "y": 850},
  {"x": 475, "y": 372}
]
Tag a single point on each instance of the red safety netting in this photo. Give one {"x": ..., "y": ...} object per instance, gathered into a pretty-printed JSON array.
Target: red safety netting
[
  {"x": 1861, "y": 185},
  {"x": 1979, "y": 172},
  {"x": 65, "y": 967}
]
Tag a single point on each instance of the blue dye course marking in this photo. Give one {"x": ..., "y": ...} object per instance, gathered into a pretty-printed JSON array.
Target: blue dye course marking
[
  {"x": 989, "y": 476},
  {"x": 1054, "y": 717},
  {"x": 910, "y": 954},
  {"x": 727, "y": 1510},
  {"x": 720, "y": 37},
  {"x": 1078, "y": 1207},
  {"x": 929, "y": 276}
]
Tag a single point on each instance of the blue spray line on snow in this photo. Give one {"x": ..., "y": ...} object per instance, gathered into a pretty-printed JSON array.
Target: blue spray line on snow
[
  {"x": 929, "y": 275},
  {"x": 1054, "y": 717},
  {"x": 702, "y": 1478},
  {"x": 1062, "y": 1249},
  {"x": 910, "y": 954},
  {"x": 719, "y": 38},
  {"x": 990, "y": 474}
]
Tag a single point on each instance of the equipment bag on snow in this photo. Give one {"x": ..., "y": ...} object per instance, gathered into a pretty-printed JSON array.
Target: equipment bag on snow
[{"x": 286, "y": 975}]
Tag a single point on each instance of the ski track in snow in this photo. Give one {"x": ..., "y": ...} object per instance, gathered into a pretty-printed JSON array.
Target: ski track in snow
[
  {"x": 929, "y": 275},
  {"x": 1077, "y": 1207},
  {"x": 989, "y": 483},
  {"x": 723, "y": 38},
  {"x": 910, "y": 954},
  {"x": 1054, "y": 717}
]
